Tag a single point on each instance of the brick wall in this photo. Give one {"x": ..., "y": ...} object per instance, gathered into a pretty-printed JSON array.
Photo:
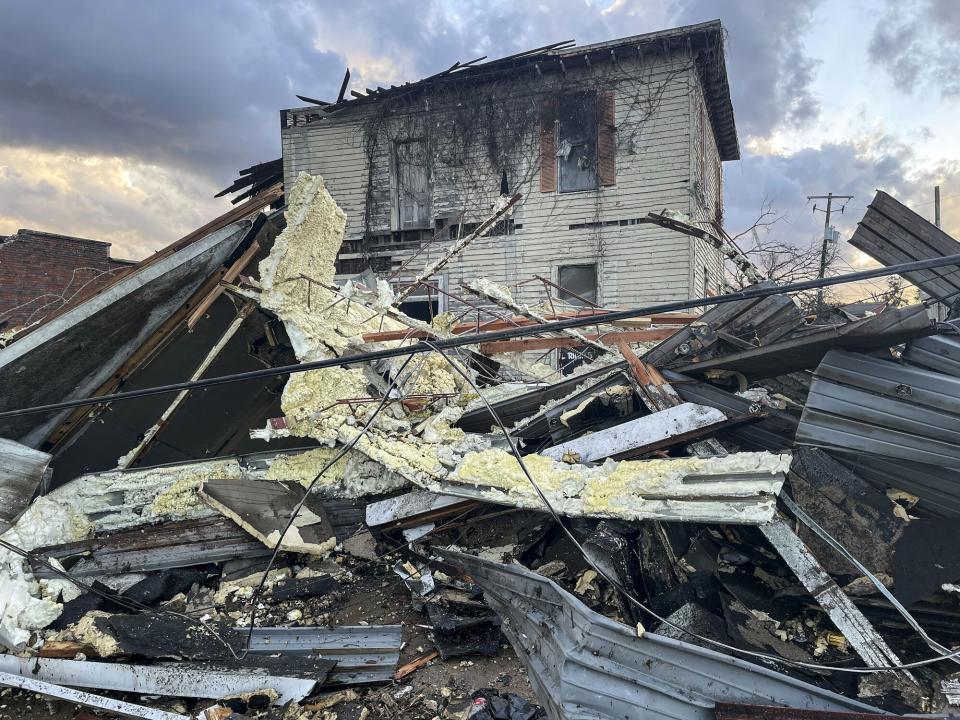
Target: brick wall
[{"x": 40, "y": 272}]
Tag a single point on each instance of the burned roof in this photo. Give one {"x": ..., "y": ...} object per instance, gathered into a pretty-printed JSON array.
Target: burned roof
[{"x": 704, "y": 40}]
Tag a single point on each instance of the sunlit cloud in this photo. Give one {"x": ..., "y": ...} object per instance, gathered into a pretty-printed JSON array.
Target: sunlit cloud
[{"x": 137, "y": 206}]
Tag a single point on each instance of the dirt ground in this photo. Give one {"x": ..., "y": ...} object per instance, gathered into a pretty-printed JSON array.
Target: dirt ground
[{"x": 374, "y": 595}]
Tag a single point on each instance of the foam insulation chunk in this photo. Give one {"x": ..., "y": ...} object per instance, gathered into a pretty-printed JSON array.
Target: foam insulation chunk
[{"x": 738, "y": 488}]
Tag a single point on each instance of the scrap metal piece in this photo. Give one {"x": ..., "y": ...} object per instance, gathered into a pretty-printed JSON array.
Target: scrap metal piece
[
  {"x": 263, "y": 508},
  {"x": 86, "y": 699},
  {"x": 363, "y": 653},
  {"x": 745, "y": 323},
  {"x": 657, "y": 394},
  {"x": 21, "y": 472},
  {"x": 842, "y": 612},
  {"x": 153, "y": 547},
  {"x": 937, "y": 352},
  {"x": 802, "y": 351},
  {"x": 180, "y": 680},
  {"x": 742, "y": 711},
  {"x": 863, "y": 404},
  {"x": 936, "y": 486},
  {"x": 651, "y": 432},
  {"x": 774, "y": 431},
  {"x": 415, "y": 508},
  {"x": 892, "y": 233},
  {"x": 583, "y": 665}
]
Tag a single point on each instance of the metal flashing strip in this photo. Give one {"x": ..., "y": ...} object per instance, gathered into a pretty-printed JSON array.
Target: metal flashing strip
[
  {"x": 86, "y": 699},
  {"x": 583, "y": 665},
  {"x": 179, "y": 680},
  {"x": 364, "y": 653}
]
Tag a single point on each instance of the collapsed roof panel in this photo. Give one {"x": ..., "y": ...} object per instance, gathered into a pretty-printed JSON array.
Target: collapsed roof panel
[
  {"x": 859, "y": 403},
  {"x": 21, "y": 472},
  {"x": 75, "y": 353},
  {"x": 892, "y": 233},
  {"x": 805, "y": 350},
  {"x": 584, "y": 665}
]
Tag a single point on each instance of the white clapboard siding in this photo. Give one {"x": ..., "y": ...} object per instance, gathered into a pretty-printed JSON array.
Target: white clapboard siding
[{"x": 658, "y": 167}]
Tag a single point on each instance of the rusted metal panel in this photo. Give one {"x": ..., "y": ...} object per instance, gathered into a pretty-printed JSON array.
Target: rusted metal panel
[{"x": 154, "y": 547}]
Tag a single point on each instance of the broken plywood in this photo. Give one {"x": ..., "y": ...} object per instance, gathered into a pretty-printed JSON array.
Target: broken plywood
[{"x": 263, "y": 508}]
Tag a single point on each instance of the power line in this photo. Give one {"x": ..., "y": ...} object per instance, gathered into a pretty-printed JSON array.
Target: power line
[{"x": 476, "y": 338}]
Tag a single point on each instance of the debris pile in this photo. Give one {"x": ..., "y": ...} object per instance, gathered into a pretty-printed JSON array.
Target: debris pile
[{"x": 326, "y": 508}]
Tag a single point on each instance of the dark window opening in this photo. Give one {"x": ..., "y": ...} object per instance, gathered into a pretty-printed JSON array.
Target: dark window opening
[
  {"x": 578, "y": 285},
  {"x": 577, "y": 142},
  {"x": 421, "y": 309}
]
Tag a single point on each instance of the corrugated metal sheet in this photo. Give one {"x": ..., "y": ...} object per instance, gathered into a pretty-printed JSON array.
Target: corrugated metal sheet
[
  {"x": 364, "y": 653},
  {"x": 775, "y": 432},
  {"x": 584, "y": 665},
  {"x": 806, "y": 349},
  {"x": 892, "y": 233},
  {"x": 859, "y": 403},
  {"x": 737, "y": 325},
  {"x": 937, "y": 487},
  {"x": 938, "y": 352}
]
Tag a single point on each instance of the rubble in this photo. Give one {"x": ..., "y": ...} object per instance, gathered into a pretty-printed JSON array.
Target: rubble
[{"x": 711, "y": 515}]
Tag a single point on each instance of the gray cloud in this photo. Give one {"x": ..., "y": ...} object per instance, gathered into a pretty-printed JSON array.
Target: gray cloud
[
  {"x": 848, "y": 168},
  {"x": 196, "y": 85},
  {"x": 918, "y": 43},
  {"x": 770, "y": 74},
  {"x": 195, "y": 88}
]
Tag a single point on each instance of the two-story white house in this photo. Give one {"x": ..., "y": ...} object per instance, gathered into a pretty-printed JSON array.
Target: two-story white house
[{"x": 594, "y": 137}]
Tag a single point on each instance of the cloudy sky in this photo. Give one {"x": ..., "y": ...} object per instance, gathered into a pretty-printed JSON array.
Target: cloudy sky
[{"x": 119, "y": 120}]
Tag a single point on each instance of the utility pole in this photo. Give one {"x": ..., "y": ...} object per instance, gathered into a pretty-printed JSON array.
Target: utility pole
[
  {"x": 936, "y": 205},
  {"x": 829, "y": 197}
]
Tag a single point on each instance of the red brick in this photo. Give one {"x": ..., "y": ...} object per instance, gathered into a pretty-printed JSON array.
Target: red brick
[{"x": 44, "y": 269}]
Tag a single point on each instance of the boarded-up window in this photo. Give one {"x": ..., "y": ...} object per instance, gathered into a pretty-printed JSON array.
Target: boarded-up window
[
  {"x": 606, "y": 138},
  {"x": 578, "y": 284},
  {"x": 412, "y": 184}
]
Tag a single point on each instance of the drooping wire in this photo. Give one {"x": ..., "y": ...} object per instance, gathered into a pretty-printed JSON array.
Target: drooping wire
[
  {"x": 619, "y": 586},
  {"x": 296, "y": 510}
]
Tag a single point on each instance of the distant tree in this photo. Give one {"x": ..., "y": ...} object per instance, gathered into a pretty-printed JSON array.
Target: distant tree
[{"x": 782, "y": 261}]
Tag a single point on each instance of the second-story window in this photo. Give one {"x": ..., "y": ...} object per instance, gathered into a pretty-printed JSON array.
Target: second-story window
[{"x": 577, "y": 142}]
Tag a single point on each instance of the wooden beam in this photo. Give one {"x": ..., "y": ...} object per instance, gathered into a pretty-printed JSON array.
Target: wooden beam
[
  {"x": 612, "y": 338},
  {"x": 228, "y": 277},
  {"x": 519, "y": 321}
]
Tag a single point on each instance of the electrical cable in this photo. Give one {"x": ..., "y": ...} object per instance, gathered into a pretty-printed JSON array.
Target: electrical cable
[
  {"x": 296, "y": 510},
  {"x": 616, "y": 583},
  {"x": 118, "y": 599},
  {"x": 835, "y": 544},
  {"x": 463, "y": 340}
]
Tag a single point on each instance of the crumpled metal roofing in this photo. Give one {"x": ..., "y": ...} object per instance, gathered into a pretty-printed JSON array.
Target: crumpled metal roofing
[{"x": 583, "y": 665}]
